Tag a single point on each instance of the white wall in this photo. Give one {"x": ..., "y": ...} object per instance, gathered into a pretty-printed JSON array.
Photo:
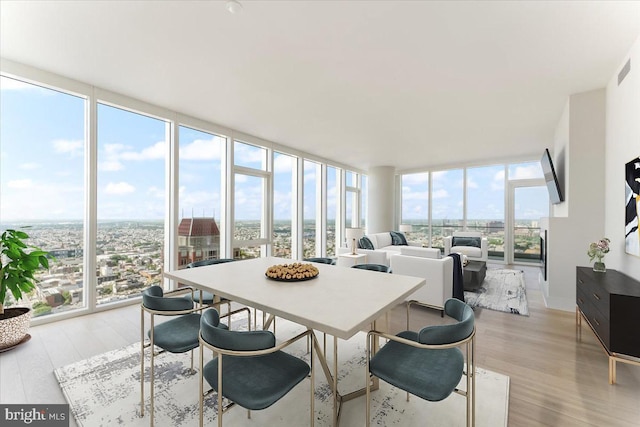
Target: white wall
[
  {"x": 578, "y": 153},
  {"x": 623, "y": 144}
]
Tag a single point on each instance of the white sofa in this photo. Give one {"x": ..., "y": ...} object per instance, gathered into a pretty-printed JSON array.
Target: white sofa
[
  {"x": 426, "y": 263},
  {"x": 473, "y": 253},
  {"x": 383, "y": 248}
]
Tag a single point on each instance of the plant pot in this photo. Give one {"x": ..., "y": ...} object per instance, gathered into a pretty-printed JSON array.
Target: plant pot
[{"x": 14, "y": 325}]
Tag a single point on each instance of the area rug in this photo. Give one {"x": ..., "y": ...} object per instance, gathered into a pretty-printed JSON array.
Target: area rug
[
  {"x": 105, "y": 390},
  {"x": 502, "y": 290}
]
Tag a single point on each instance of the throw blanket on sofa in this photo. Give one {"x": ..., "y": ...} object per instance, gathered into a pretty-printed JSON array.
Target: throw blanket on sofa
[{"x": 458, "y": 280}]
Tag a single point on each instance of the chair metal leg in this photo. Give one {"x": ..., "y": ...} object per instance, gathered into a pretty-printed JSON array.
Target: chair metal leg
[
  {"x": 141, "y": 362},
  {"x": 201, "y": 400},
  {"x": 220, "y": 411},
  {"x": 368, "y": 382},
  {"x": 312, "y": 379},
  {"x": 152, "y": 373}
]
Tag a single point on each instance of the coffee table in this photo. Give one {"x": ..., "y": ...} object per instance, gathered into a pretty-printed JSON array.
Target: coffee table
[{"x": 474, "y": 273}]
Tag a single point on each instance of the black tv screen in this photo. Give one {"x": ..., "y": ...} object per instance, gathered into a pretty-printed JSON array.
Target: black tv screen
[{"x": 555, "y": 192}]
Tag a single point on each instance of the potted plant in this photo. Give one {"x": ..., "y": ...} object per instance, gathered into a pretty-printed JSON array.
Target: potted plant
[{"x": 18, "y": 263}]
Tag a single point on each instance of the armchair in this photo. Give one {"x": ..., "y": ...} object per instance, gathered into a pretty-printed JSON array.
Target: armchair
[
  {"x": 428, "y": 363},
  {"x": 247, "y": 359},
  {"x": 177, "y": 335},
  {"x": 469, "y": 243}
]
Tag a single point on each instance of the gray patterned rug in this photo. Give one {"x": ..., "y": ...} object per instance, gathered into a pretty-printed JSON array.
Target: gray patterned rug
[
  {"x": 502, "y": 290},
  {"x": 105, "y": 391}
]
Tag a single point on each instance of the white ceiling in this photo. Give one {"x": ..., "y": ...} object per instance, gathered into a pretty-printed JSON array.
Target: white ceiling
[{"x": 367, "y": 83}]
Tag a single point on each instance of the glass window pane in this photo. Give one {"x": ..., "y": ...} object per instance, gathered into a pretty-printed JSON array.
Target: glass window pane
[
  {"x": 415, "y": 206},
  {"x": 350, "y": 179},
  {"x": 284, "y": 203},
  {"x": 249, "y": 156},
  {"x": 447, "y": 205},
  {"x": 485, "y": 205},
  {"x": 311, "y": 175},
  {"x": 42, "y": 186},
  {"x": 530, "y": 204},
  {"x": 199, "y": 195},
  {"x": 364, "y": 196},
  {"x": 529, "y": 170},
  {"x": 249, "y": 205},
  {"x": 332, "y": 209},
  {"x": 131, "y": 203}
]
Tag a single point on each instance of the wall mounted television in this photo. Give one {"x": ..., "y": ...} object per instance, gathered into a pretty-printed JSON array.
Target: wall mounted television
[{"x": 553, "y": 185}]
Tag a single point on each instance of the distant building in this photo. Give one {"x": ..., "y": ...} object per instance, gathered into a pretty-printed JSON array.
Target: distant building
[{"x": 198, "y": 239}]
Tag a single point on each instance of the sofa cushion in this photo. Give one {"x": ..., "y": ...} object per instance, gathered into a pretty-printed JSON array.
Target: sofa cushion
[
  {"x": 466, "y": 241},
  {"x": 382, "y": 240},
  {"x": 365, "y": 243},
  {"x": 420, "y": 252},
  {"x": 398, "y": 239},
  {"x": 470, "y": 251}
]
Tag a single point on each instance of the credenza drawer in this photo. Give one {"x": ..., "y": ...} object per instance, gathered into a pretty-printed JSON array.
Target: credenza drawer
[
  {"x": 594, "y": 293},
  {"x": 598, "y": 323}
]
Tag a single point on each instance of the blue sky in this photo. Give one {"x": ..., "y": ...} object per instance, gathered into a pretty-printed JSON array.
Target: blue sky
[{"x": 42, "y": 174}]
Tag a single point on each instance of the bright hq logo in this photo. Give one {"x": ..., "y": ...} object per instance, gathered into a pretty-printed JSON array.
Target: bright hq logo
[{"x": 36, "y": 415}]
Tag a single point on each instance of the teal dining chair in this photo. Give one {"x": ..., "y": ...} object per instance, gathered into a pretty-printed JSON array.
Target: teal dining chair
[
  {"x": 206, "y": 298},
  {"x": 373, "y": 267},
  {"x": 322, "y": 260},
  {"x": 256, "y": 372},
  {"x": 179, "y": 334},
  {"x": 429, "y": 363}
]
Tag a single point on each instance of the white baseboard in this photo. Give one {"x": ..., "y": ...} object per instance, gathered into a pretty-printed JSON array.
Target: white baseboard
[{"x": 564, "y": 304}]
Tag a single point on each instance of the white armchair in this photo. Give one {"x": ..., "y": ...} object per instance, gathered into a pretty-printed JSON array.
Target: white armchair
[
  {"x": 469, "y": 243},
  {"x": 426, "y": 263}
]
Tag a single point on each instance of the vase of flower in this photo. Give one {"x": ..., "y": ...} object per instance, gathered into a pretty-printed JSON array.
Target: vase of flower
[{"x": 596, "y": 251}]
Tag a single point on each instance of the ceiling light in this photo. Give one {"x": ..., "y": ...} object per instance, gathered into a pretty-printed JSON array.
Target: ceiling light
[{"x": 234, "y": 7}]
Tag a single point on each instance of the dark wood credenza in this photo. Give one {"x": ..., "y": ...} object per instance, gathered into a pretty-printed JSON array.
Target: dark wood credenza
[{"x": 610, "y": 304}]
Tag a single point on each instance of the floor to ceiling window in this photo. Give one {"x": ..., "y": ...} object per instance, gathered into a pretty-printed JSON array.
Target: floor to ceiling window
[
  {"x": 446, "y": 205},
  {"x": 485, "y": 205},
  {"x": 94, "y": 175},
  {"x": 311, "y": 209},
  {"x": 131, "y": 207},
  {"x": 199, "y": 195},
  {"x": 42, "y": 188},
  {"x": 414, "y": 205},
  {"x": 333, "y": 209},
  {"x": 529, "y": 202},
  {"x": 250, "y": 183},
  {"x": 284, "y": 203}
]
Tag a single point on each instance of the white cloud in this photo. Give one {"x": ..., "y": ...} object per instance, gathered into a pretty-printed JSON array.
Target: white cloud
[
  {"x": 202, "y": 149},
  {"x": 154, "y": 152},
  {"x": 440, "y": 194},
  {"x": 471, "y": 183},
  {"x": 283, "y": 163},
  {"x": 7, "y": 84},
  {"x": 20, "y": 184},
  {"x": 156, "y": 192},
  {"x": 415, "y": 178},
  {"x": 526, "y": 172},
  {"x": 119, "y": 188},
  {"x": 30, "y": 166},
  {"x": 248, "y": 154},
  {"x": 110, "y": 166},
  {"x": 73, "y": 147}
]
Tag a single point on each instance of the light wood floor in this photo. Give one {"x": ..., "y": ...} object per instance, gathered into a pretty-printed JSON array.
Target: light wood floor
[{"x": 555, "y": 380}]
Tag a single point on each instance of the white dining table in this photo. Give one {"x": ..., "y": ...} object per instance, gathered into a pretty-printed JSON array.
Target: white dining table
[{"x": 339, "y": 301}]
